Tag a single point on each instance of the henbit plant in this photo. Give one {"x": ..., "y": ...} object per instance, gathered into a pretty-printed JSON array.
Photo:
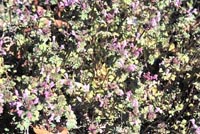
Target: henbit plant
[{"x": 100, "y": 66}]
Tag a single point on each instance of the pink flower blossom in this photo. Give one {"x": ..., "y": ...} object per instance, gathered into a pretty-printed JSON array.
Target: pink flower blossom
[
  {"x": 19, "y": 112},
  {"x": 47, "y": 94},
  {"x": 84, "y": 6},
  {"x": 130, "y": 68},
  {"x": 2, "y": 51},
  {"x": 193, "y": 123},
  {"x": 70, "y": 2},
  {"x": 26, "y": 94},
  {"x": 40, "y": 11},
  {"x": 92, "y": 128},
  {"x": 153, "y": 22},
  {"x": 46, "y": 2},
  {"x": 135, "y": 103},
  {"x": 197, "y": 131},
  {"x": 61, "y": 5},
  {"x": 1, "y": 98},
  {"x": 52, "y": 117},
  {"x": 128, "y": 95},
  {"x": 177, "y": 3},
  {"x": 158, "y": 16},
  {"x": 29, "y": 115},
  {"x": 1, "y": 109},
  {"x": 86, "y": 88},
  {"x": 62, "y": 47},
  {"x": 148, "y": 76},
  {"x": 151, "y": 109},
  {"x": 134, "y": 5},
  {"x": 158, "y": 110},
  {"x": 52, "y": 84},
  {"x": 109, "y": 17},
  {"x": 36, "y": 100}
]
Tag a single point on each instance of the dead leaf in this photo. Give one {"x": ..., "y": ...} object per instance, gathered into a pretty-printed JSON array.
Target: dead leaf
[
  {"x": 60, "y": 23},
  {"x": 39, "y": 130},
  {"x": 65, "y": 131},
  {"x": 62, "y": 130}
]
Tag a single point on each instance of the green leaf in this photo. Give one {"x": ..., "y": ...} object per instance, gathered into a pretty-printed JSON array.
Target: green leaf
[
  {"x": 127, "y": 1},
  {"x": 71, "y": 123},
  {"x": 53, "y": 2}
]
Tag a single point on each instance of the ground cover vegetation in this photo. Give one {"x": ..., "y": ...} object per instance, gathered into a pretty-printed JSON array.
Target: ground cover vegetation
[{"x": 100, "y": 66}]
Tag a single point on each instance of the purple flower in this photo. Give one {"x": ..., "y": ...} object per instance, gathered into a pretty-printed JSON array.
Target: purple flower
[
  {"x": 1, "y": 109},
  {"x": 177, "y": 3},
  {"x": 52, "y": 84},
  {"x": 19, "y": 2},
  {"x": 116, "y": 10},
  {"x": 34, "y": 91},
  {"x": 135, "y": 103},
  {"x": 151, "y": 109},
  {"x": 2, "y": 51},
  {"x": 62, "y": 47},
  {"x": 42, "y": 70},
  {"x": 86, "y": 88},
  {"x": 1, "y": 98},
  {"x": 128, "y": 95},
  {"x": 175, "y": 60},
  {"x": 18, "y": 105},
  {"x": 97, "y": 97},
  {"x": 136, "y": 53},
  {"x": 47, "y": 94},
  {"x": 66, "y": 82},
  {"x": 124, "y": 52},
  {"x": 132, "y": 21},
  {"x": 158, "y": 17},
  {"x": 40, "y": 11},
  {"x": 61, "y": 5},
  {"x": 83, "y": 6},
  {"x": 29, "y": 115},
  {"x": 197, "y": 131},
  {"x": 193, "y": 123},
  {"x": 18, "y": 12},
  {"x": 135, "y": 5},
  {"x": 51, "y": 106},
  {"x": 153, "y": 22},
  {"x": 47, "y": 2},
  {"x": 69, "y": 2},
  {"x": 92, "y": 128},
  {"x": 36, "y": 101},
  {"x": 148, "y": 76},
  {"x": 113, "y": 86},
  {"x": 48, "y": 78},
  {"x": 19, "y": 112},
  {"x": 34, "y": 17},
  {"x": 25, "y": 94},
  {"x": 154, "y": 77},
  {"x": 52, "y": 117},
  {"x": 103, "y": 102},
  {"x": 140, "y": 50},
  {"x": 135, "y": 121},
  {"x": 158, "y": 110},
  {"x": 130, "y": 68},
  {"x": 109, "y": 17}
]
